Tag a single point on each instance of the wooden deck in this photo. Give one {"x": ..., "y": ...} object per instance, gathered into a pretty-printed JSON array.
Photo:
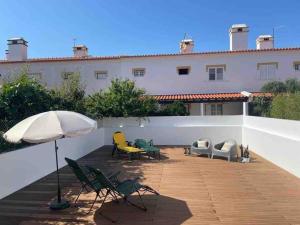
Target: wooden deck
[{"x": 194, "y": 190}]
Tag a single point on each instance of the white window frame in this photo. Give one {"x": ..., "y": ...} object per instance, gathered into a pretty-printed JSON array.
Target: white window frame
[
  {"x": 138, "y": 72},
  {"x": 217, "y": 76},
  {"x": 66, "y": 75},
  {"x": 101, "y": 74},
  {"x": 188, "y": 68},
  {"x": 267, "y": 71},
  {"x": 297, "y": 66},
  {"x": 35, "y": 76}
]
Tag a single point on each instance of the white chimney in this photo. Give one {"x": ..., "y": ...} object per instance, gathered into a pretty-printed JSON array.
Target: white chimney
[
  {"x": 238, "y": 34},
  {"x": 186, "y": 46},
  {"x": 264, "y": 42},
  {"x": 80, "y": 51},
  {"x": 17, "y": 49}
]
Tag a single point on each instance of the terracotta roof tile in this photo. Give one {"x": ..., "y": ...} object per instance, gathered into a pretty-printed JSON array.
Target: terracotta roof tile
[
  {"x": 59, "y": 59},
  {"x": 209, "y": 96}
]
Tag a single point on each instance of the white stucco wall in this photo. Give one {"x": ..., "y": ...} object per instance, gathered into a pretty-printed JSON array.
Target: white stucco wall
[
  {"x": 22, "y": 167},
  {"x": 161, "y": 72},
  {"x": 181, "y": 130},
  {"x": 274, "y": 139}
]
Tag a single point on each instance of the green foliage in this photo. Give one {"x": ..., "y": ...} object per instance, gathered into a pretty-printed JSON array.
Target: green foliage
[
  {"x": 122, "y": 99},
  {"x": 70, "y": 95},
  {"x": 260, "y": 106},
  {"x": 292, "y": 85},
  {"x": 274, "y": 87},
  {"x": 175, "y": 109},
  {"x": 286, "y": 106},
  {"x": 22, "y": 98}
]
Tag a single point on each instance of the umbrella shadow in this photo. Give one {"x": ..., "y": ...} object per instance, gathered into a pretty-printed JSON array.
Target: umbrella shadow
[{"x": 160, "y": 210}]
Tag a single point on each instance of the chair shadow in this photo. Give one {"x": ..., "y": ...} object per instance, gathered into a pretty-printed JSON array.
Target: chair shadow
[{"x": 160, "y": 210}]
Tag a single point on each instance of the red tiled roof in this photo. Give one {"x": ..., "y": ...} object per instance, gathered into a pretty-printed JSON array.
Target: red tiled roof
[
  {"x": 59, "y": 59},
  {"x": 209, "y": 97}
]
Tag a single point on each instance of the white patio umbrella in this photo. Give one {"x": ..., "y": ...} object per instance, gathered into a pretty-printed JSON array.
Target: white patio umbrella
[{"x": 50, "y": 126}]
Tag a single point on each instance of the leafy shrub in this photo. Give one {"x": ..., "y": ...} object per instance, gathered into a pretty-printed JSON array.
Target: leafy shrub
[
  {"x": 176, "y": 108},
  {"x": 286, "y": 106}
]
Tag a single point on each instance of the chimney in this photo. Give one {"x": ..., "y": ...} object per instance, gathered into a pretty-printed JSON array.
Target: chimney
[
  {"x": 80, "y": 51},
  {"x": 264, "y": 42},
  {"x": 186, "y": 46},
  {"x": 17, "y": 49},
  {"x": 238, "y": 34}
]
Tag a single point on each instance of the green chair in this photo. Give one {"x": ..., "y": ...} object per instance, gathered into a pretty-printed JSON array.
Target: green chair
[
  {"x": 124, "y": 189},
  {"x": 148, "y": 147},
  {"x": 87, "y": 180}
]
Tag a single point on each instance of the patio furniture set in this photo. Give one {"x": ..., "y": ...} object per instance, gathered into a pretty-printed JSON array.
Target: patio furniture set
[{"x": 227, "y": 148}]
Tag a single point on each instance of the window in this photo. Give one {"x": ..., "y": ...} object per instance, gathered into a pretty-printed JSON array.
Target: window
[
  {"x": 267, "y": 71},
  {"x": 216, "y": 73},
  {"x": 35, "y": 76},
  {"x": 183, "y": 70},
  {"x": 66, "y": 75},
  {"x": 101, "y": 75},
  {"x": 138, "y": 72},
  {"x": 216, "y": 109},
  {"x": 297, "y": 66}
]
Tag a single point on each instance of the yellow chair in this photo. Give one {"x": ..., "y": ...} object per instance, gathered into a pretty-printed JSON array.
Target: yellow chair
[{"x": 123, "y": 146}]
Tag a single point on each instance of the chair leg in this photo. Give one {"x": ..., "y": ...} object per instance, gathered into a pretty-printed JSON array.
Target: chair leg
[
  {"x": 106, "y": 217},
  {"x": 135, "y": 205},
  {"x": 81, "y": 190},
  {"x": 212, "y": 156},
  {"x": 97, "y": 195}
]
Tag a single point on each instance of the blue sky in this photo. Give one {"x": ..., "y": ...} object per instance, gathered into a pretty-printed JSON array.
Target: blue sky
[{"x": 127, "y": 27}]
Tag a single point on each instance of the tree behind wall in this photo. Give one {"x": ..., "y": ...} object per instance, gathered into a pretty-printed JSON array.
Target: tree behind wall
[{"x": 286, "y": 106}]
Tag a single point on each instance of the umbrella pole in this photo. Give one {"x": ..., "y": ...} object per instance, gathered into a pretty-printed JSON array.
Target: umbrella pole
[
  {"x": 57, "y": 173},
  {"x": 58, "y": 203}
]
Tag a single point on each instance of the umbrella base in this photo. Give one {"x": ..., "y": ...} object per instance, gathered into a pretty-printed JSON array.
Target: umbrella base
[{"x": 55, "y": 205}]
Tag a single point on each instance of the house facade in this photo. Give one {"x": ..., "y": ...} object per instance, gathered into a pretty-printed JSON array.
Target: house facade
[{"x": 209, "y": 82}]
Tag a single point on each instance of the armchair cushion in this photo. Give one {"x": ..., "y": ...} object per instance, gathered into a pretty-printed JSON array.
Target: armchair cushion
[
  {"x": 202, "y": 144},
  {"x": 226, "y": 147}
]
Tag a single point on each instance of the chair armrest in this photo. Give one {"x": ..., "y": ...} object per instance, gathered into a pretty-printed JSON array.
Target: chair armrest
[{"x": 219, "y": 146}]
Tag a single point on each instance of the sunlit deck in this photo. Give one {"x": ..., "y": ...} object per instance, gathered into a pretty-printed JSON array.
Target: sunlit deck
[{"x": 194, "y": 190}]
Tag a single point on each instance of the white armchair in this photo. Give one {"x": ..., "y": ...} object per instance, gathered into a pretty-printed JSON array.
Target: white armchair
[
  {"x": 199, "y": 150},
  {"x": 226, "y": 149}
]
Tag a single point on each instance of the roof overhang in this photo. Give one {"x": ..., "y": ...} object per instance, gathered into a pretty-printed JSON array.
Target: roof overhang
[{"x": 209, "y": 97}]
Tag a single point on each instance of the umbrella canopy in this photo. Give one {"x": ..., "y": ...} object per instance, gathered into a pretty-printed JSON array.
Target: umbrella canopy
[{"x": 50, "y": 126}]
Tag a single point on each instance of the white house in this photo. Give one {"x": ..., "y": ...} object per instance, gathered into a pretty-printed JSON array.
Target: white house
[{"x": 209, "y": 82}]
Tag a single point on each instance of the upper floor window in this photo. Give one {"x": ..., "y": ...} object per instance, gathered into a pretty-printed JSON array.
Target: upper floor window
[
  {"x": 215, "y": 72},
  {"x": 139, "y": 72},
  {"x": 101, "y": 75},
  {"x": 297, "y": 66},
  {"x": 67, "y": 75},
  {"x": 35, "y": 76},
  {"x": 184, "y": 70},
  {"x": 267, "y": 71}
]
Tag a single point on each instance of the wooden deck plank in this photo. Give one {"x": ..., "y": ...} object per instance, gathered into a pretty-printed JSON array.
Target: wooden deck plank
[{"x": 194, "y": 190}]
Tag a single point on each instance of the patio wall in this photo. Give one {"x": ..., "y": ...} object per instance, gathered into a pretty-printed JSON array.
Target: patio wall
[
  {"x": 177, "y": 130},
  {"x": 22, "y": 167},
  {"x": 274, "y": 139}
]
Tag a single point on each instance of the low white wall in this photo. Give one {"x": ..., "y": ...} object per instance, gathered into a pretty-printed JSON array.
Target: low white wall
[
  {"x": 274, "y": 139},
  {"x": 22, "y": 167},
  {"x": 178, "y": 130}
]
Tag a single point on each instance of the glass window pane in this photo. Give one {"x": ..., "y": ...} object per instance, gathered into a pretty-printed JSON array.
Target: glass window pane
[
  {"x": 212, "y": 73},
  {"x": 219, "y": 109},
  {"x": 219, "y": 73},
  {"x": 213, "y": 109}
]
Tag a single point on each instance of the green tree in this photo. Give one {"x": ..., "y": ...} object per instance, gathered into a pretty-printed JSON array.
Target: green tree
[
  {"x": 70, "y": 95},
  {"x": 23, "y": 97},
  {"x": 176, "y": 108},
  {"x": 292, "y": 85},
  {"x": 121, "y": 99},
  {"x": 286, "y": 106},
  {"x": 274, "y": 87}
]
